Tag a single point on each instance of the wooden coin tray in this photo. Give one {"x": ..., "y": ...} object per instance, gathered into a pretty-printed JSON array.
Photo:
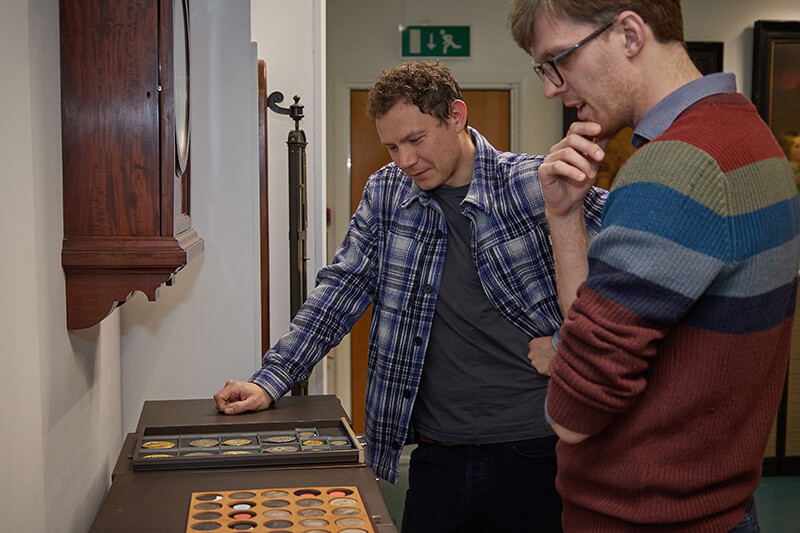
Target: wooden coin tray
[
  {"x": 294, "y": 509},
  {"x": 252, "y": 444}
]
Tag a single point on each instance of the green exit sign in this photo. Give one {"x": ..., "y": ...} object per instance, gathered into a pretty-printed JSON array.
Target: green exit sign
[{"x": 434, "y": 41}]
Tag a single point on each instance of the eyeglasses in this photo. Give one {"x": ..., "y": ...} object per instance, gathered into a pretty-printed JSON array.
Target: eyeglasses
[{"x": 548, "y": 68}]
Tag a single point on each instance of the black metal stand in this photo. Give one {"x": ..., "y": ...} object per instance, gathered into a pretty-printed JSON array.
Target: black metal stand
[{"x": 298, "y": 215}]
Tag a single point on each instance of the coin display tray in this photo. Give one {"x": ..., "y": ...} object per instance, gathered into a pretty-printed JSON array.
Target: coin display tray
[
  {"x": 281, "y": 510},
  {"x": 261, "y": 444}
]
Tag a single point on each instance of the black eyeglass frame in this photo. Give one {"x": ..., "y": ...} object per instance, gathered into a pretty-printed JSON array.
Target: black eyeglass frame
[{"x": 552, "y": 72}]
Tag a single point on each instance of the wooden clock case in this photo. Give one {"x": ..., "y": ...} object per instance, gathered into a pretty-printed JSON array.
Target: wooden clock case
[{"x": 126, "y": 174}]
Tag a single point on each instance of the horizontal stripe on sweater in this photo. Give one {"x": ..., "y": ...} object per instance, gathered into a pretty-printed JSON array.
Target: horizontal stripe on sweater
[
  {"x": 727, "y": 238},
  {"x": 690, "y": 272},
  {"x": 723, "y": 314}
]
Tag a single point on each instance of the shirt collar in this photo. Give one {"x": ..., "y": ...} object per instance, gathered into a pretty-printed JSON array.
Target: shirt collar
[{"x": 663, "y": 114}]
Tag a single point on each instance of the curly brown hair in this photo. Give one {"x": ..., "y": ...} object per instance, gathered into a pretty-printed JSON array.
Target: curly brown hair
[
  {"x": 663, "y": 16},
  {"x": 428, "y": 85}
]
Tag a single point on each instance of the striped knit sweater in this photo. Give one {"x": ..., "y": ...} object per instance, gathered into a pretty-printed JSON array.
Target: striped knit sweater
[{"x": 674, "y": 354}]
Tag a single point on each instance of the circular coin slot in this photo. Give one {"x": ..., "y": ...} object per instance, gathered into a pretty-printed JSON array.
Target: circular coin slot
[
  {"x": 307, "y": 493},
  {"x": 339, "y": 493},
  {"x": 274, "y": 494},
  {"x": 311, "y": 512},
  {"x": 242, "y": 526},
  {"x": 340, "y": 502},
  {"x": 276, "y": 503},
  {"x": 207, "y": 516},
  {"x": 277, "y": 513},
  {"x": 350, "y": 521},
  {"x": 206, "y": 526},
  {"x": 314, "y": 522},
  {"x": 346, "y": 511},
  {"x": 309, "y": 502},
  {"x": 209, "y": 497},
  {"x": 207, "y": 506},
  {"x": 243, "y": 506},
  {"x": 275, "y": 524},
  {"x": 242, "y": 495},
  {"x": 351, "y": 530}
]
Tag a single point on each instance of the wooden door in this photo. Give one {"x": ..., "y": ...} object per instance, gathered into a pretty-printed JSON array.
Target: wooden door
[{"x": 488, "y": 111}]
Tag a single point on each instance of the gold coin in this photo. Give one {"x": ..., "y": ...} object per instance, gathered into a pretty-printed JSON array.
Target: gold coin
[
  {"x": 313, "y": 443},
  {"x": 158, "y": 444},
  {"x": 196, "y": 454},
  {"x": 157, "y": 455},
  {"x": 236, "y": 442},
  {"x": 203, "y": 443},
  {"x": 237, "y": 452}
]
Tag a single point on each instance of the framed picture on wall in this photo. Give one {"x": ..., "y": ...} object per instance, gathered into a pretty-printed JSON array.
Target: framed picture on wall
[
  {"x": 707, "y": 57},
  {"x": 776, "y": 75}
]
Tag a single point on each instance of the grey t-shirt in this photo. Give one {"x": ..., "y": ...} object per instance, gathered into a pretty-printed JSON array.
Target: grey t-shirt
[{"x": 478, "y": 386}]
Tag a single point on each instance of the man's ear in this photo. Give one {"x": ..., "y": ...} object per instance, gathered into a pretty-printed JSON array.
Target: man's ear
[
  {"x": 635, "y": 30},
  {"x": 458, "y": 114}
]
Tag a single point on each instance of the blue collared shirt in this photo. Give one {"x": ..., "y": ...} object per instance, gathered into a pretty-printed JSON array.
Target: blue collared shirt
[
  {"x": 663, "y": 114},
  {"x": 392, "y": 257}
]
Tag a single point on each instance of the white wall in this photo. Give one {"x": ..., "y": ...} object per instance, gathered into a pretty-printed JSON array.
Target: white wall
[
  {"x": 62, "y": 417},
  {"x": 206, "y": 327},
  {"x": 291, "y": 40}
]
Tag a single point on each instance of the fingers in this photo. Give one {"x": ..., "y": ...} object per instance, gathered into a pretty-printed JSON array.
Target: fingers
[
  {"x": 578, "y": 151},
  {"x": 540, "y": 351},
  {"x": 240, "y": 396}
]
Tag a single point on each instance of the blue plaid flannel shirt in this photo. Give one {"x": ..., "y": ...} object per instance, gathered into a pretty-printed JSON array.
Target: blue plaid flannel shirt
[{"x": 392, "y": 257}]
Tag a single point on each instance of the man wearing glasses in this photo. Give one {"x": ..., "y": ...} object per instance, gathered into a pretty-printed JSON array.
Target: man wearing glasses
[{"x": 672, "y": 358}]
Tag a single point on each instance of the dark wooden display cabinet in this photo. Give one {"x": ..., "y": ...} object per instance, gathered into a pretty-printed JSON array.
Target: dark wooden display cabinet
[{"x": 126, "y": 160}]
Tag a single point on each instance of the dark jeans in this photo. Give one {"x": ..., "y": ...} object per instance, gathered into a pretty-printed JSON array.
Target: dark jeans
[
  {"x": 749, "y": 523},
  {"x": 493, "y": 488}
]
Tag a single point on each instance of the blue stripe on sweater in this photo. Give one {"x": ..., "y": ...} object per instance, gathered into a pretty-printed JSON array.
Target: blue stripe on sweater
[
  {"x": 666, "y": 212},
  {"x": 722, "y": 314}
]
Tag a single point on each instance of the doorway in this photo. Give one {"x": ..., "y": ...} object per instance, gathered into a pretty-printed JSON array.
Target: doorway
[{"x": 488, "y": 111}]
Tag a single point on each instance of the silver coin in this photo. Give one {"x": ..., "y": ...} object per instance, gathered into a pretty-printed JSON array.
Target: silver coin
[
  {"x": 346, "y": 511},
  {"x": 274, "y": 494},
  {"x": 309, "y": 502},
  {"x": 276, "y": 503},
  {"x": 244, "y": 495},
  {"x": 207, "y": 506},
  {"x": 277, "y": 513},
  {"x": 314, "y": 522},
  {"x": 206, "y": 526},
  {"x": 339, "y": 502},
  {"x": 311, "y": 512},
  {"x": 281, "y": 438},
  {"x": 203, "y": 443},
  {"x": 281, "y": 449},
  {"x": 350, "y": 521}
]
